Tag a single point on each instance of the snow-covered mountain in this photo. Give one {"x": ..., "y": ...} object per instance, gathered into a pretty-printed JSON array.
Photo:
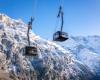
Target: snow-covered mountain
[
  {"x": 86, "y": 50},
  {"x": 53, "y": 62}
]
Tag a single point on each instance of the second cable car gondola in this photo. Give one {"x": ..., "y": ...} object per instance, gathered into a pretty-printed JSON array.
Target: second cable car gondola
[
  {"x": 30, "y": 50},
  {"x": 60, "y": 35}
]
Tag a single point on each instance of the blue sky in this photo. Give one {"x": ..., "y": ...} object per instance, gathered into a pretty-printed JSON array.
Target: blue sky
[{"x": 81, "y": 17}]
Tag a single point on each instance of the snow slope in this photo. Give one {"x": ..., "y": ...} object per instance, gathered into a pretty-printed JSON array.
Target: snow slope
[
  {"x": 86, "y": 50},
  {"x": 52, "y": 62}
]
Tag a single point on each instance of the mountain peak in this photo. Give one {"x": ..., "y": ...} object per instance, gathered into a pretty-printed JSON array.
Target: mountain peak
[{"x": 7, "y": 21}]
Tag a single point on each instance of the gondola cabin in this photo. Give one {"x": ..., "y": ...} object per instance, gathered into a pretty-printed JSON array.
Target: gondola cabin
[
  {"x": 31, "y": 51},
  {"x": 60, "y": 36}
]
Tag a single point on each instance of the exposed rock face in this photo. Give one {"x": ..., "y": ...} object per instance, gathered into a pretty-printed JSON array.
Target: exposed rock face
[{"x": 52, "y": 62}]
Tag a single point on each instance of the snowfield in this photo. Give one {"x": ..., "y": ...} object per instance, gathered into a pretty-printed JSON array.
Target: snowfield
[
  {"x": 86, "y": 50},
  {"x": 71, "y": 60}
]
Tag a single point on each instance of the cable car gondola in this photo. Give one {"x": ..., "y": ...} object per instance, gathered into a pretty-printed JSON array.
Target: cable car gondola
[
  {"x": 30, "y": 50},
  {"x": 60, "y": 35}
]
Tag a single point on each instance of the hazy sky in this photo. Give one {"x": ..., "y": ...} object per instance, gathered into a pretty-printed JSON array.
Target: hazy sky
[{"x": 81, "y": 17}]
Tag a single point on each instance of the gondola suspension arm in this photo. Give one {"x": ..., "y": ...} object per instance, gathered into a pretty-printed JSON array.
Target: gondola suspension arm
[
  {"x": 29, "y": 27},
  {"x": 60, "y": 13}
]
